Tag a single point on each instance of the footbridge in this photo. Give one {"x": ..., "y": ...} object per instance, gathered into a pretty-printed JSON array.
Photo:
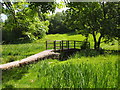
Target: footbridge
[
  {"x": 66, "y": 44},
  {"x": 54, "y": 50}
]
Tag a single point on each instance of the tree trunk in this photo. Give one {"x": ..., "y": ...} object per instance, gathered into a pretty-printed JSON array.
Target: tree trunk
[
  {"x": 98, "y": 44},
  {"x": 95, "y": 41}
]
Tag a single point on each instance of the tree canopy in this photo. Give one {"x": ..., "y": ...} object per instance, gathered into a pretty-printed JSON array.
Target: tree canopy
[
  {"x": 94, "y": 18},
  {"x": 57, "y": 24},
  {"x": 25, "y": 20}
]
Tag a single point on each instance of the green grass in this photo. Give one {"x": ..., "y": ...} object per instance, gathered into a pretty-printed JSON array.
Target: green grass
[
  {"x": 84, "y": 72},
  {"x": 13, "y": 52},
  {"x": 61, "y": 37}
]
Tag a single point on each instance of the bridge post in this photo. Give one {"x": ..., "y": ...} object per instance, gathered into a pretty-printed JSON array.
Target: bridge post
[
  {"x": 74, "y": 44},
  {"x": 68, "y": 44},
  {"x": 62, "y": 44},
  {"x": 46, "y": 45},
  {"x": 55, "y": 45}
]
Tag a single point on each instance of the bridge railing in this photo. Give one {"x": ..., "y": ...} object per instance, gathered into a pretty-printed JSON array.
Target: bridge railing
[{"x": 64, "y": 44}]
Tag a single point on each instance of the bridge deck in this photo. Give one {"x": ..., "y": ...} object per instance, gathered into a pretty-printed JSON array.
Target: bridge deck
[{"x": 36, "y": 57}]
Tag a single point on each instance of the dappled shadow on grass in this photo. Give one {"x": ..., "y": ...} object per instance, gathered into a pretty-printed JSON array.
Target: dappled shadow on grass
[
  {"x": 77, "y": 53},
  {"x": 17, "y": 42},
  {"x": 14, "y": 74},
  {"x": 8, "y": 87}
]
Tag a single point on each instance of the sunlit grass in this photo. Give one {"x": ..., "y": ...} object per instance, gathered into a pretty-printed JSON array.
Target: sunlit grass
[
  {"x": 13, "y": 52},
  {"x": 78, "y": 37}
]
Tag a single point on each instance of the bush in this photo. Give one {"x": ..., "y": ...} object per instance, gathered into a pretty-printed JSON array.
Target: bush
[
  {"x": 86, "y": 53},
  {"x": 85, "y": 45}
]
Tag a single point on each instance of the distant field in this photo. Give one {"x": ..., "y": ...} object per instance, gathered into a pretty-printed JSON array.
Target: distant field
[{"x": 13, "y": 52}]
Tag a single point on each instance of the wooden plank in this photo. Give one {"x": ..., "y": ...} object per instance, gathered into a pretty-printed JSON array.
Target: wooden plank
[
  {"x": 59, "y": 46},
  {"x": 59, "y": 43},
  {"x": 65, "y": 46},
  {"x": 49, "y": 43}
]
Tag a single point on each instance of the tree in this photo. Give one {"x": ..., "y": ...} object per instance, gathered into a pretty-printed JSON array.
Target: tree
[
  {"x": 24, "y": 22},
  {"x": 42, "y": 8},
  {"x": 94, "y": 18},
  {"x": 57, "y": 24}
]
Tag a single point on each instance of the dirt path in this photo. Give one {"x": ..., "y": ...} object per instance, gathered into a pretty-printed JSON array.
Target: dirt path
[{"x": 36, "y": 57}]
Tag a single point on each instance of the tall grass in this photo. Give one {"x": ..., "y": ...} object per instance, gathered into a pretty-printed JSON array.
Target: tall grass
[
  {"x": 13, "y": 52},
  {"x": 85, "y": 72}
]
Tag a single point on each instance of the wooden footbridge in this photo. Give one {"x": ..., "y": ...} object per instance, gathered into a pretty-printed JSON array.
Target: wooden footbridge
[
  {"x": 65, "y": 44},
  {"x": 53, "y": 46}
]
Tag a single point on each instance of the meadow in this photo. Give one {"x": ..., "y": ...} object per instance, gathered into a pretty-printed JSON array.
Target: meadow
[{"x": 81, "y": 70}]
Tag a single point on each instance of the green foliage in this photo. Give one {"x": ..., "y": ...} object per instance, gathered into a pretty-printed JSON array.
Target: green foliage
[
  {"x": 23, "y": 23},
  {"x": 87, "y": 53},
  {"x": 94, "y": 18},
  {"x": 43, "y": 6},
  {"x": 85, "y": 45},
  {"x": 57, "y": 24},
  {"x": 60, "y": 4}
]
